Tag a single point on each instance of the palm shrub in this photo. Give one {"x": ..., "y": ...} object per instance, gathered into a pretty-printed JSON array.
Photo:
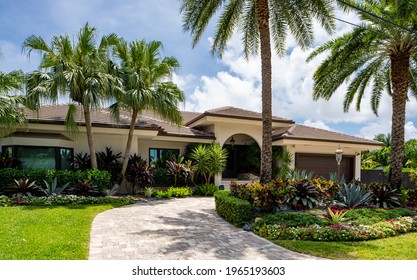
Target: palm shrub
[
  {"x": 210, "y": 160},
  {"x": 81, "y": 161},
  {"x": 138, "y": 174},
  {"x": 352, "y": 196},
  {"x": 205, "y": 190},
  {"x": 303, "y": 193}
]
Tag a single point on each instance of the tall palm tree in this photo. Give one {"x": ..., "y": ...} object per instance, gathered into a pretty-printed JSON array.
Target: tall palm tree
[
  {"x": 77, "y": 69},
  {"x": 10, "y": 113},
  {"x": 144, "y": 75},
  {"x": 257, "y": 21},
  {"x": 380, "y": 55}
]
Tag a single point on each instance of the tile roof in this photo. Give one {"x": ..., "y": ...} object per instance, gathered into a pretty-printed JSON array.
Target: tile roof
[
  {"x": 233, "y": 112},
  {"x": 102, "y": 117},
  {"x": 303, "y": 132}
]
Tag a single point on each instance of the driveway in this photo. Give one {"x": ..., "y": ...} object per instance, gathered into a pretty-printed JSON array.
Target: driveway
[{"x": 177, "y": 229}]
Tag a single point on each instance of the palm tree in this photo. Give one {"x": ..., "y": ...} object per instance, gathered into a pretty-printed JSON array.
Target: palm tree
[
  {"x": 380, "y": 54},
  {"x": 386, "y": 139},
  {"x": 144, "y": 74},
  {"x": 257, "y": 21},
  {"x": 79, "y": 70},
  {"x": 10, "y": 113}
]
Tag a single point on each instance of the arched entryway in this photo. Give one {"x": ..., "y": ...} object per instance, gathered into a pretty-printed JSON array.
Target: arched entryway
[{"x": 243, "y": 162}]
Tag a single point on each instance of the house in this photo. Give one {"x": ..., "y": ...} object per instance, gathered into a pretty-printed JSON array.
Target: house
[{"x": 45, "y": 143}]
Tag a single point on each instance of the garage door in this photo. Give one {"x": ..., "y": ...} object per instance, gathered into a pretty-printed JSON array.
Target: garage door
[{"x": 323, "y": 165}]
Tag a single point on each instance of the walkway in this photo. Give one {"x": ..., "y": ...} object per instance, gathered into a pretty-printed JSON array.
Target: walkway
[{"x": 177, "y": 229}]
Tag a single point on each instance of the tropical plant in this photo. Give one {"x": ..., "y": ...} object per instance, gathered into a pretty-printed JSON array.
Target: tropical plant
[
  {"x": 10, "y": 113},
  {"x": 138, "y": 174},
  {"x": 53, "y": 189},
  {"x": 8, "y": 162},
  {"x": 210, "y": 160},
  {"x": 85, "y": 188},
  {"x": 144, "y": 74},
  {"x": 205, "y": 190},
  {"x": 384, "y": 196},
  {"x": 179, "y": 170},
  {"x": 303, "y": 193},
  {"x": 149, "y": 192},
  {"x": 381, "y": 53},
  {"x": 352, "y": 196},
  {"x": 24, "y": 187},
  {"x": 285, "y": 158},
  {"x": 80, "y": 69},
  {"x": 297, "y": 174},
  {"x": 386, "y": 139},
  {"x": 109, "y": 161},
  {"x": 335, "y": 216},
  {"x": 258, "y": 22},
  {"x": 81, "y": 162}
]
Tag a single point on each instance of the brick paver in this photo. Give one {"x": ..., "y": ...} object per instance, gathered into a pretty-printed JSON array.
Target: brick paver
[{"x": 177, "y": 229}]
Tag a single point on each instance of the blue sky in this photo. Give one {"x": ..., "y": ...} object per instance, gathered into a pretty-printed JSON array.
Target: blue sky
[{"x": 207, "y": 80}]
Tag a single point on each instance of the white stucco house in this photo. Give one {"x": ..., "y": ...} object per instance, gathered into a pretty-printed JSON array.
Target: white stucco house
[{"x": 312, "y": 149}]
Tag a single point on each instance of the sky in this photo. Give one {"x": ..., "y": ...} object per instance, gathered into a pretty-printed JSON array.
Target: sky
[{"x": 208, "y": 81}]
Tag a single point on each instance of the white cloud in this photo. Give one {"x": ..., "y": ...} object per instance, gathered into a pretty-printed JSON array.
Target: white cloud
[
  {"x": 410, "y": 131},
  {"x": 317, "y": 124}
]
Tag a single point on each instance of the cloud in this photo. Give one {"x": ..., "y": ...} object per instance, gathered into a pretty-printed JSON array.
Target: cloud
[
  {"x": 317, "y": 124},
  {"x": 410, "y": 131}
]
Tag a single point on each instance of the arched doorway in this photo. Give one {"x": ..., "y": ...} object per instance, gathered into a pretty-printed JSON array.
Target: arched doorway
[{"x": 243, "y": 162}]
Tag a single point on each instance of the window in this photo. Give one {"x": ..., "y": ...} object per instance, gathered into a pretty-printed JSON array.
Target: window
[
  {"x": 41, "y": 157},
  {"x": 158, "y": 157}
]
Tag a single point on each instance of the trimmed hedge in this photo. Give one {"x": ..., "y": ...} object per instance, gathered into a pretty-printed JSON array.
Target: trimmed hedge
[
  {"x": 100, "y": 178},
  {"x": 234, "y": 210}
]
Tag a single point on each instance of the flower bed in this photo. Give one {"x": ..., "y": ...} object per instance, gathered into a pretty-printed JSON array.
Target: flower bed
[{"x": 339, "y": 232}]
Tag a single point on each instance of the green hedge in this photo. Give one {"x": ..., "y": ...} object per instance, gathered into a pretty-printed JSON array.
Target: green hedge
[
  {"x": 234, "y": 210},
  {"x": 100, "y": 178}
]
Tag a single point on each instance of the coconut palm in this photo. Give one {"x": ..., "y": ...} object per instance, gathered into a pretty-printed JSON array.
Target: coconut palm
[
  {"x": 77, "y": 69},
  {"x": 258, "y": 21},
  {"x": 379, "y": 55},
  {"x": 10, "y": 114},
  {"x": 146, "y": 86}
]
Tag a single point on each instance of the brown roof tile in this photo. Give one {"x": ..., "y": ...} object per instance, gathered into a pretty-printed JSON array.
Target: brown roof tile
[
  {"x": 303, "y": 132},
  {"x": 238, "y": 113}
]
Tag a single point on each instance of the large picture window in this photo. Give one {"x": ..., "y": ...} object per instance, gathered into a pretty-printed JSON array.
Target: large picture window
[
  {"x": 41, "y": 157},
  {"x": 158, "y": 157}
]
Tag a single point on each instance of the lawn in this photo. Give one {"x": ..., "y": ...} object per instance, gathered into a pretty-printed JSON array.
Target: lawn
[
  {"x": 47, "y": 233},
  {"x": 402, "y": 247}
]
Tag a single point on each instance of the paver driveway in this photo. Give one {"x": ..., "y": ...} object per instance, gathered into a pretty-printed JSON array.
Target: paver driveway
[{"x": 177, "y": 229}]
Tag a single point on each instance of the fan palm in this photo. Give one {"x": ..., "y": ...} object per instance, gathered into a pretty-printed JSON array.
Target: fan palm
[
  {"x": 144, "y": 74},
  {"x": 10, "y": 114},
  {"x": 78, "y": 69},
  {"x": 380, "y": 55},
  {"x": 258, "y": 21}
]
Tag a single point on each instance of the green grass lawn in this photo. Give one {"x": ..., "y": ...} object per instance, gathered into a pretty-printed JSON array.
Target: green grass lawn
[
  {"x": 47, "y": 233},
  {"x": 402, "y": 247}
]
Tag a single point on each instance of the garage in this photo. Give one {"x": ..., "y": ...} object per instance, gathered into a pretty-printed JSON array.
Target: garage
[{"x": 322, "y": 165}]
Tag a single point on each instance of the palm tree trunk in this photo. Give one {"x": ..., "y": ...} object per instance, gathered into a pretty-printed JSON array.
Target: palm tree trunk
[
  {"x": 89, "y": 129},
  {"x": 400, "y": 84},
  {"x": 262, "y": 11},
  {"x": 129, "y": 142}
]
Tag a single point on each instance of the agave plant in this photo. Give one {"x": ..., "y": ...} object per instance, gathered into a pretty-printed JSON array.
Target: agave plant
[
  {"x": 53, "y": 189},
  {"x": 301, "y": 174},
  {"x": 353, "y": 196},
  {"x": 303, "y": 193}
]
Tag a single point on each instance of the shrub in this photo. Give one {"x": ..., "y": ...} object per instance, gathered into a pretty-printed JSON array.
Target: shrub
[
  {"x": 110, "y": 162},
  {"x": 326, "y": 188},
  {"x": 180, "y": 192},
  {"x": 366, "y": 216},
  {"x": 180, "y": 171},
  {"x": 149, "y": 192},
  {"x": 303, "y": 193},
  {"x": 81, "y": 162},
  {"x": 24, "y": 187},
  {"x": 138, "y": 174},
  {"x": 209, "y": 160},
  {"x": 206, "y": 190},
  {"x": 161, "y": 177},
  {"x": 270, "y": 196},
  {"x": 5, "y": 201},
  {"x": 352, "y": 196},
  {"x": 234, "y": 210},
  {"x": 85, "y": 188},
  {"x": 62, "y": 200},
  {"x": 340, "y": 232},
  {"x": 335, "y": 216},
  {"x": 163, "y": 194},
  {"x": 290, "y": 219}
]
